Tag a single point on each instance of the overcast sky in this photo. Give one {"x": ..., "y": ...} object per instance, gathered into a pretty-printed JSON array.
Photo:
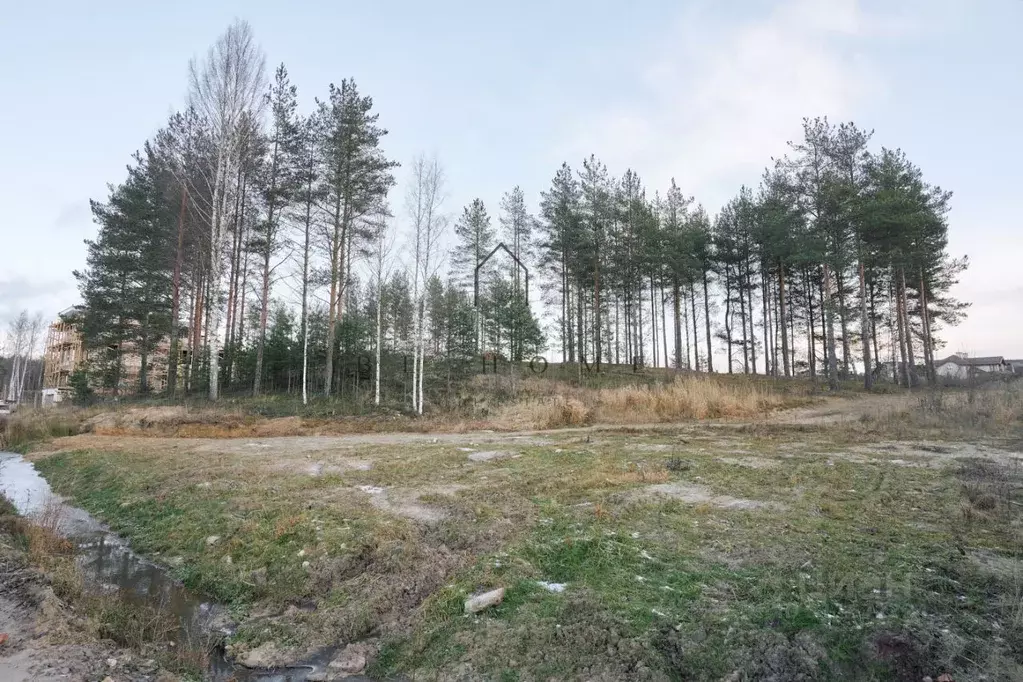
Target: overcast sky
[{"x": 703, "y": 91}]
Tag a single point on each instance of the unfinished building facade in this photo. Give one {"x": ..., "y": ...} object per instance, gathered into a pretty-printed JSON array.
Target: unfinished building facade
[{"x": 65, "y": 354}]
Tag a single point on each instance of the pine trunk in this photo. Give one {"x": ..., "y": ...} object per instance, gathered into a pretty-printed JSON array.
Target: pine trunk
[
  {"x": 829, "y": 318},
  {"x": 784, "y": 330},
  {"x": 900, "y": 318},
  {"x": 767, "y": 325},
  {"x": 752, "y": 331},
  {"x": 706, "y": 321},
  {"x": 175, "y": 336},
  {"x": 742, "y": 318},
  {"x": 913, "y": 381},
  {"x": 696, "y": 335},
  {"x": 926, "y": 320},
  {"x": 844, "y": 322},
  {"x": 811, "y": 330},
  {"x": 865, "y": 332},
  {"x": 664, "y": 329},
  {"x": 264, "y": 310}
]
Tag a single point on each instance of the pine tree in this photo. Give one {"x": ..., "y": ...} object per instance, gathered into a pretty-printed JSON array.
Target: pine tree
[
  {"x": 561, "y": 229},
  {"x": 355, "y": 180},
  {"x": 278, "y": 186},
  {"x": 475, "y": 237},
  {"x": 517, "y": 231},
  {"x": 126, "y": 285}
]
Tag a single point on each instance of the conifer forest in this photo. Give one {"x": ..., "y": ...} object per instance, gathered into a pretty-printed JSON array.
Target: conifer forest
[{"x": 259, "y": 233}]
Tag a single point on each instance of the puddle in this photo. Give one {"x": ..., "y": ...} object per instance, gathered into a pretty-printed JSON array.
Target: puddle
[{"x": 108, "y": 564}]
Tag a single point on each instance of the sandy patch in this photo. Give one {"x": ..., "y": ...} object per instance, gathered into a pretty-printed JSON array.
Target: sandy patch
[
  {"x": 406, "y": 502},
  {"x": 488, "y": 455},
  {"x": 698, "y": 494}
]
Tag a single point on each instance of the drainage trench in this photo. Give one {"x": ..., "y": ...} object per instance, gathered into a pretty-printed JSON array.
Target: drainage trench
[{"x": 109, "y": 565}]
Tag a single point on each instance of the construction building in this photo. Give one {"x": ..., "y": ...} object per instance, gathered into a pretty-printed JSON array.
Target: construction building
[
  {"x": 62, "y": 356},
  {"x": 65, "y": 354}
]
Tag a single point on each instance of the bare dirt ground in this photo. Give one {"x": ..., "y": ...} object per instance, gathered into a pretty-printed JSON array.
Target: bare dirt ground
[{"x": 842, "y": 410}]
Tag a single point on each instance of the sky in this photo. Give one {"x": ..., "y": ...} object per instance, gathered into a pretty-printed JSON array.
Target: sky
[{"x": 706, "y": 92}]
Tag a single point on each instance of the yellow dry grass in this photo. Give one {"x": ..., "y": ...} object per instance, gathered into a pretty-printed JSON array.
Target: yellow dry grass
[
  {"x": 684, "y": 399},
  {"x": 689, "y": 398}
]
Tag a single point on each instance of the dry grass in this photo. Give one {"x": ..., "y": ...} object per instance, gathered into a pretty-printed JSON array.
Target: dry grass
[
  {"x": 684, "y": 399},
  {"x": 499, "y": 402},
  {"x": 40, "y": 535},
  {"x": 544, "y": 413},
  {"x": 689, "y": 398},
  {"x": 993, "y": 410},
  {"x": 29, "y": 425}
]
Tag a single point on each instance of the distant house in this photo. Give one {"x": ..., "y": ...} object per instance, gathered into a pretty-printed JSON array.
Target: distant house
[
  {"x": 960, "y": 366},
  {"x": 1016, "y": 366}
]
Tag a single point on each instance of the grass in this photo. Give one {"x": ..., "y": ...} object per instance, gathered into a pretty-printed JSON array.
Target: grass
[
  {"x": 994, "y": 409},
  {"x": 808, "y": 553},
  {"x": 27, "y": 426}
]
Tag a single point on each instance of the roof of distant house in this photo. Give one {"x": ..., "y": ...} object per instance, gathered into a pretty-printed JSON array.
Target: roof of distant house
[{"x": 972, "y": 362}]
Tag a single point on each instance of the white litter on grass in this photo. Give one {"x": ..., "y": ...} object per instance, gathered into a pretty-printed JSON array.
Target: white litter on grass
[
  {"x": 371, "y": 489},
  {"x": 640, "y": 578},
  {"x": 647, "y": 556},
  {"x": 658, "y": 613},
  {"x": 552, "y": 587},
  {"x": 467, "y": 449},
  {"x": 635, "y": 536}
]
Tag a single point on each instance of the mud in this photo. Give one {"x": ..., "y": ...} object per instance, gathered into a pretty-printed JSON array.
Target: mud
[
  {"x": 47, "y": 641},
  {"x": 31, "y": 613}
]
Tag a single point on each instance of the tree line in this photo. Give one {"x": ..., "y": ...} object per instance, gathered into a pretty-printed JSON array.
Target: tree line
[
  {"x": 21, "y": 371},
  {"x": 254, "y": 248},
  {"x": 837, "y": 264}
]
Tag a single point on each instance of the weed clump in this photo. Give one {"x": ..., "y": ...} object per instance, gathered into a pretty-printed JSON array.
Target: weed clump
[{"x": 27, "y": 426}]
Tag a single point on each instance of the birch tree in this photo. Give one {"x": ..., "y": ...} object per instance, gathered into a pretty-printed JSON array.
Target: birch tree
[
  {"x": 22, "y": 342},
  {"x": 423, "y": 202},
  {"x": 383, "y": 245},
  {"x": 223, "y": 88}
]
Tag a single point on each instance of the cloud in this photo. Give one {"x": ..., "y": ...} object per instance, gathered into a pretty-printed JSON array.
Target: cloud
[
  {"x": 21, "y": 293},
  {"x": 721, "y": 96}
]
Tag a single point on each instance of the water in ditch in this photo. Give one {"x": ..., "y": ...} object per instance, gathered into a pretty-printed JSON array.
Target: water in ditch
[{"x": 108, "y": 564}]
